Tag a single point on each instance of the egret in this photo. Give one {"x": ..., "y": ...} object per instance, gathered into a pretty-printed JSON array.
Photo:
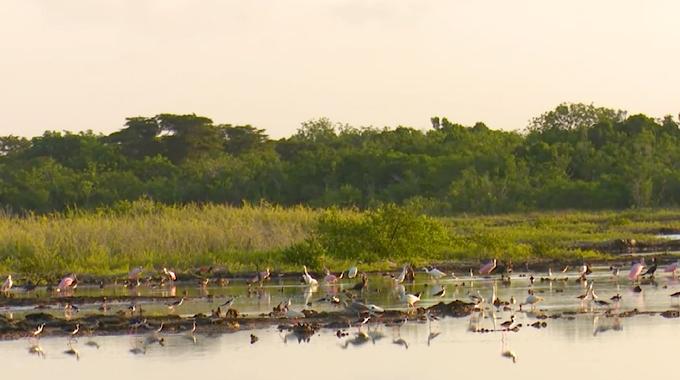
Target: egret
[
  {"x": 402, "y": 276},
  {"x": 434, "y": 273},
  {"x": 309, "y": 280},
  {"x": 488, "y": 268},
  {"x": 352, "y": 272},
  {"x": 7, "y": 284},
  {"x": 531, "y": 300}
]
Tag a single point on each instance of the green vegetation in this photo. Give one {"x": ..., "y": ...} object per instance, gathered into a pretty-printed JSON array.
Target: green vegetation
[
  {"x": 113, "y": 240},
  {"x": 575, "y": 157},
  {"x": 178, "y": 190}
]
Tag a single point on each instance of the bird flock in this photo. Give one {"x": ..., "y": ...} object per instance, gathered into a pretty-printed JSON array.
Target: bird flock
[{"x": 354, "y": 301}]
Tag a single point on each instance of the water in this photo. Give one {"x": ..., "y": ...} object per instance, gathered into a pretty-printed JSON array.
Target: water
[
  {"x": 669, "y": 236},
  {"x": 563, "y": 350}
]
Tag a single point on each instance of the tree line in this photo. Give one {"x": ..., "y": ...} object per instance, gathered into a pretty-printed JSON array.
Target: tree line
[{"x": 576, "y": 156}]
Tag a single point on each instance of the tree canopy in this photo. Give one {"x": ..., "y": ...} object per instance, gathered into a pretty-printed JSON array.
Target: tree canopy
[{"x": 576, "y": 156}]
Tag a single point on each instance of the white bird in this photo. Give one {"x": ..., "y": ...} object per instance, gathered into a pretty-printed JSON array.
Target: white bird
[
  {"x": 434, "y": 273},
  {"x": 531, "y": 300},
  {"x": 7, "y": 284},
  {"x": 38, "y": 330},
  {"x": 402, "y": 276},
  {"x": 352, "y": 272},
  {"x": 171, "y": 275},
  {"x": 411, "y": 299},
  {"x": 309, "y": 280}
]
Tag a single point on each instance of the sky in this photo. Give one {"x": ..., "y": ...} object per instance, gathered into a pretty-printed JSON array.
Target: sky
[{"x": 88, "y": 64}]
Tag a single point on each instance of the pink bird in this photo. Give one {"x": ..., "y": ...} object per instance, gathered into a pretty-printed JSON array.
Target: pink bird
[
  {"x": 672, "y": 267},
  {"x": 66, "y": 282},
  {"x": 261, "y": 276},
  {"x": 135, "y": 273},
  {"x": 488, "y": 268},
  {"x": 331, "y": 278},
  {"x": 636, "y": 269}
]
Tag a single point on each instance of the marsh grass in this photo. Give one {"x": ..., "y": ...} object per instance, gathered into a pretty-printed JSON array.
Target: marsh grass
[
  {"x": 152, "y": 235},
  {"x": 111, "y": 241}
]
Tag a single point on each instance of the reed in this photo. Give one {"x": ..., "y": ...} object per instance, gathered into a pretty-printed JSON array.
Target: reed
[{"x": 113, "y": 240}]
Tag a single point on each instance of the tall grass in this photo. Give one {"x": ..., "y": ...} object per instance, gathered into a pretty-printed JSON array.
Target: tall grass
[
  {"x": 149, "y": 234},
  {"x": 111, "y": 241}
]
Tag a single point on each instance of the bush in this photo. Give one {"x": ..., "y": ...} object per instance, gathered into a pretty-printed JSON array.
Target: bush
[{"x": 387, "y": 232}]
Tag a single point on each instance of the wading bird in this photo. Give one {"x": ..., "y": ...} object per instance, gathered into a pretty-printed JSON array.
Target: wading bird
[
  {"x": 309, "y": 280},
  {"x": 434, "y": 273},
  {"x": 171, "y": 275},
  {"x": 636, "y": 270},
  {"x": 488, "y": 268},
  {"x": 68, "y": 282},
  {"x": 671, "y": 268},
  {"x": 7, "y": 284}
]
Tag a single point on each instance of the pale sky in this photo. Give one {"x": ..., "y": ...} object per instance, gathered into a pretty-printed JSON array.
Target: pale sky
[{"x": 89, "y": 64}]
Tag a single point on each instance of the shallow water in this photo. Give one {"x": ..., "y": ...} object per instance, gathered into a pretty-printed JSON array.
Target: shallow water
[{"x": 563, "y": 350}]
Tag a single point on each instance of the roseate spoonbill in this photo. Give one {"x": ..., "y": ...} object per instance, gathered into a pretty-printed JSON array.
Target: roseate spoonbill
[
  {"x": 134, "y": 275},
  {"x": 67, "y": 282},
  {"x": 352, "y": 272},
  {"x": 332, "y": 279},
  {"x": 434, "y": 273},
  {"x": 171, "y": 275},
  {"x": 636, "y": 270},
  {"x": 488, "y": 268},
  {"x": 7, "y": 284},
  {"x": 309, "y": 280},
  {"x": 672, "y": 267}
]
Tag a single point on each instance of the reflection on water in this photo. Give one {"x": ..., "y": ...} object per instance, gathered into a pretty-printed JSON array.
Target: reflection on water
[
  {"x": 564, "y": 349},
  {"x": 571, "y": 346}
]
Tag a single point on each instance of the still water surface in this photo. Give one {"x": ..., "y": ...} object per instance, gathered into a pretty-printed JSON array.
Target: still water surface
[{"x": 564, "y": 350}]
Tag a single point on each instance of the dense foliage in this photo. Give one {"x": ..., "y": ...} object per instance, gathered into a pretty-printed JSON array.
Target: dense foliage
[{"x": 574, "y": 157}]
